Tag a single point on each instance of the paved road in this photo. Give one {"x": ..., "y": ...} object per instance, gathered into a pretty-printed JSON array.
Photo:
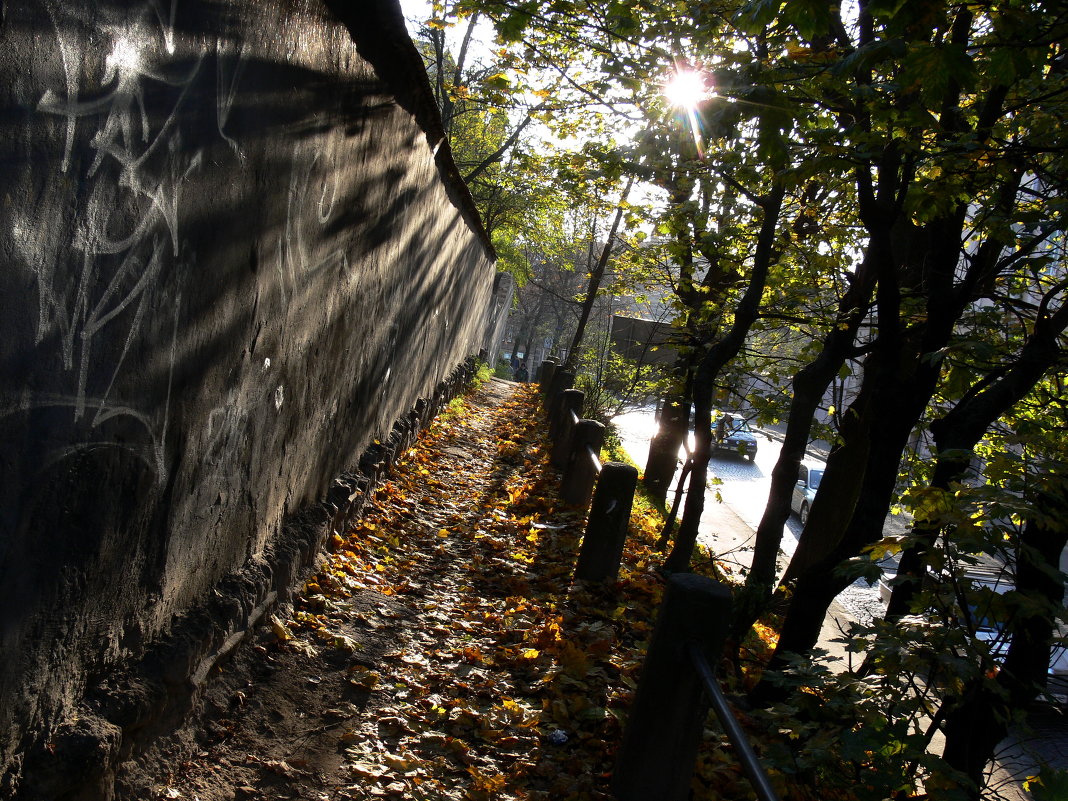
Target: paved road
[
  {"x": 744, "y": 490},
  {"x": 745, "y": 482},
  {"x": 744, "y": 485}
]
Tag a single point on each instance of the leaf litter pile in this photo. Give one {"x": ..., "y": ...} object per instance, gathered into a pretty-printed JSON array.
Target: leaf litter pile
[{"x": 443, "y": 650}]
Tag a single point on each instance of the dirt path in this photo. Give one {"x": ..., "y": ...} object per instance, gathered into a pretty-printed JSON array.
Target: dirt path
[{"x": 428, "y": 658}]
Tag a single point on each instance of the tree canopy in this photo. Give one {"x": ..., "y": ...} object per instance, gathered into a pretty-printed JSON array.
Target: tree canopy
[{"x": 871, "y": 193}]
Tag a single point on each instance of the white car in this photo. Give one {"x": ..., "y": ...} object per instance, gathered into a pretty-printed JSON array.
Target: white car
[
  {"x": 808, "y": 481},
  {"x": 996, "y": 577},
  {"x": 1056, "y": 674}
]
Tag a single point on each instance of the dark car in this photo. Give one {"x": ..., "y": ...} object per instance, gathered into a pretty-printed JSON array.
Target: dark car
[{"x": 734, "y": 435}]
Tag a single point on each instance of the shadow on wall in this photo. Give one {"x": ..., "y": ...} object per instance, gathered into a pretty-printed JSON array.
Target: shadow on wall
[{"x": 230, "y": 262}]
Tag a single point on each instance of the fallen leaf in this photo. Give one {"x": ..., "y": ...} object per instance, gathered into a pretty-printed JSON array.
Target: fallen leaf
[
  {"x": 282, "y": 768},
  {"x": 363, "y": 677},
  {"x": 280, "y": 629},
  {"x": 367, "y": 770}
]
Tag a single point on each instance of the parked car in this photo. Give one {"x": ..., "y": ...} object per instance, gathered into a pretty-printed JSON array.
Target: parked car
[
  {"x": 996, "y": 577},
  {"x": 994, "y": 635},
  {"x": 808, "y": 481},
  {"x": 733, "y": 434},
  {"x": 1057, "y": 675}
]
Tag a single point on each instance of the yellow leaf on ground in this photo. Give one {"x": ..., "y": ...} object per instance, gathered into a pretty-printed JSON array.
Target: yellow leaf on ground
[
  {"x": 364, "y": 678},
  {"x": 281, "y": 631},
  {"x": 401, "y": 764}
]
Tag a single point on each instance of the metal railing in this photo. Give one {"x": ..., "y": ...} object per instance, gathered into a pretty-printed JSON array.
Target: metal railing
[
  {"x": 669, "y": 713},
  {"x": 735, "y": 734},
  {"x": 595, "y": 460}
]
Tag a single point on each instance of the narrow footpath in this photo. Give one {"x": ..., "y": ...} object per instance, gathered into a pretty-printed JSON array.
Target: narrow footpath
[{"x": 442, "y": 650}]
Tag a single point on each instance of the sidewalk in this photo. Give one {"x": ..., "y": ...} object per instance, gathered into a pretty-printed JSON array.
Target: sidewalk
[{"x": 442, "y": 650}]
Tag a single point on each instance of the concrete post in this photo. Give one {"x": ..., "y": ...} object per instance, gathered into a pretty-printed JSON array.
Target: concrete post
[
  {"x": 560, "y": 428},
  {"x": 545, "y": 375},
  {"x": 659, "y": 751},
  {"x": 606, "y": 530},
  {"x": 580, "y": 474},
  {"x": 562, "y": 379}
]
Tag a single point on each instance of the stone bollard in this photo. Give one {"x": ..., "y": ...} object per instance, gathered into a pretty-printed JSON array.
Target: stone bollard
[
  {"x": 560, "y": 427},
  {"x": 606, "y": 530},
  {"x": 659, "y": 752},
  {"x": 562, "y": 379},
  {"x": 576, "y": 486},
  {"x": 422, "y": 408},
  {"x": 545, "y": 375}
]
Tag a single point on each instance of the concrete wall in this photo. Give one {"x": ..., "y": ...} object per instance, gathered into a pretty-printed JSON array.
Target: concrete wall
[
  {"x": 501, "y": 305},
  {"x": 232, "y": 252}
]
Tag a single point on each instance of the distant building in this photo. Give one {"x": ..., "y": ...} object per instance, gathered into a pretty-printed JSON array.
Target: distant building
[{"x": 644, "y": 341}]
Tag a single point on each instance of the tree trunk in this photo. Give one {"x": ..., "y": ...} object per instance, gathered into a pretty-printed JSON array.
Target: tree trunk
[
  {"x": 708, "y": 371},
  {"x": 595, "y": 281},
  {"x": 900, "y": 377},
  {"x": 676, "y": 503},
  {"x": 958, "y": 431},
  {"x": 814, "y": 572},
  {"x": 855, "y": 494},
  {"x": 665, "y": 446},
  {"x": 532, "y": 332},
  {"x": 678, "y": 560},
  {"x": 810, "y": 383}
]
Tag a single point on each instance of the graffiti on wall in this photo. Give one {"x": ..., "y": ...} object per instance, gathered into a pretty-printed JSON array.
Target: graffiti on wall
[{"x": 123, "y": 159}]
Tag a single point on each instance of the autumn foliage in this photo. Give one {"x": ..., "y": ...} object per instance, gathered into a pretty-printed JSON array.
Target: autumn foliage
[{"x": 511, "y": 681}]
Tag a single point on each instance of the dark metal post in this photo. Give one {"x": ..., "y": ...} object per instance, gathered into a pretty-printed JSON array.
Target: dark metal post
[
  {"x": 657, "y": 758},
  {"x": 606, "y": 530},
  {"x": 581, "y": 473}
]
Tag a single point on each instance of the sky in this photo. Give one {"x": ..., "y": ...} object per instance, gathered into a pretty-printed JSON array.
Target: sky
[{"x": 417, "y": 11}]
